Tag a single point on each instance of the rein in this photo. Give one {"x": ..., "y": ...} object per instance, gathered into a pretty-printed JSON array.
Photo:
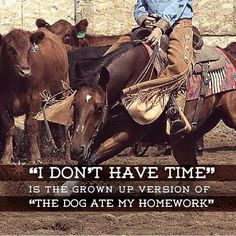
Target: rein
[
  {"x": 149, "y": 64},
  {"x": 139, "y": 79},
  {"x": 145, "y": 70},
  {"x": 99, "y": 126}
]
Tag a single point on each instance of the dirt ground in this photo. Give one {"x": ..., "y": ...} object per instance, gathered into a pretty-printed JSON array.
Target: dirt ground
[{"x": 220, "y": 148}]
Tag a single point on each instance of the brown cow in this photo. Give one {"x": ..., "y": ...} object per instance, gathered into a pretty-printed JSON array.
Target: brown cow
[
  {"x": 71, "y": 34},
  {"x": 29, "y": 64}
]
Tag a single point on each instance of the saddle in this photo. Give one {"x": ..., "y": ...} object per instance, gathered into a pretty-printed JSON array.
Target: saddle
[
  {"x": 143, "y": 111},
  {"x": 210, "y": 56},
  {"x": 202, "y": 53},
  {"x": 206, "y": 60}
]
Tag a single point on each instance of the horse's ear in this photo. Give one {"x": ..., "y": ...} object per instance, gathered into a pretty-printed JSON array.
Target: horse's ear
[
  {"x": 104, "y": 78},
  {"x": 82, "y": 25},
  {"x": 41, "y": 23}
]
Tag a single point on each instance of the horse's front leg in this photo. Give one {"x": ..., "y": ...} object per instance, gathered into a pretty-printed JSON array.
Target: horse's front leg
[
  {"x": 31, "y": 130},
  {"x": 60, "y": 137},
  {"x": 8, "y": 133},
  {"x": 184, "y": 151},
  {"x": 199, "y": 147},
  {"x": 117, "y": 143}
]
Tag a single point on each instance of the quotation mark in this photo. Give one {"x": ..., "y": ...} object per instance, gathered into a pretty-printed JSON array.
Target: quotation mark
[
  {"x": 36, "y": 171},
  {"x": 211, "y": 201},
  {"x": 31, "y": 201},
  {"x": 210, "y": 170}
]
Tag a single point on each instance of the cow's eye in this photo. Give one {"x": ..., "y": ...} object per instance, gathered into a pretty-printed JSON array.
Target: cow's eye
[
  {"x": 67, "y": 37},
  {"x": 11, "y": 50}
]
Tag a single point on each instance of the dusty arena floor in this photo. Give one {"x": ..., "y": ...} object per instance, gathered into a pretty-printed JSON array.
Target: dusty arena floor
[{"x": 220, "y": 145}]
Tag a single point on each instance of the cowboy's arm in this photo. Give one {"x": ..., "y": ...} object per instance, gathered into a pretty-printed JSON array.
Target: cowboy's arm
[
  {"x": 171, "y": 14},
  {"x": 169, "y": 17},
  {"x": 140, "y": 11}
]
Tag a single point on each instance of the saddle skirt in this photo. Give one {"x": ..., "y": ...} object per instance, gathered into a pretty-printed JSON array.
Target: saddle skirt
[{"x": 221, "y": 71}]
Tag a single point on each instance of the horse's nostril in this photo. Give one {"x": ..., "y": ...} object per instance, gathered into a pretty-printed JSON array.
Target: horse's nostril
[
  {"x": 82, "y": 147},
  {"x": 77, "y": 151},
  {"x": 78, "y": 154}
]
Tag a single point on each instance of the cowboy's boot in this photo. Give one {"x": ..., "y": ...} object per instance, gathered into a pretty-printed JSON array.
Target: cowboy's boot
[{"x": 178, "y": 123}]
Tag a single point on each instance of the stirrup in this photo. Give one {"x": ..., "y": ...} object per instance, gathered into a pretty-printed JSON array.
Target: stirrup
[{"x": 184, "y": 125}]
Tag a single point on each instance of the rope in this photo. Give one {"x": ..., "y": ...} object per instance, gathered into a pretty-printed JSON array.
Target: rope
[
  {"x": 155, "y": 93},
  {"x": 49, "y": 101}
]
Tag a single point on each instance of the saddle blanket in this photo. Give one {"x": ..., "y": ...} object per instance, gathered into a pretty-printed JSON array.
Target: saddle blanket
[{"x": 221, "y": 81}]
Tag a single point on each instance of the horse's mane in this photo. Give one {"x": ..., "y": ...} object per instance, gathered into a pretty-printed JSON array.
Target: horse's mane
[
  {"x": 99, "y": 36},
  {"x": 77, "y": 55},
  {"x": 90, "y": 68}
]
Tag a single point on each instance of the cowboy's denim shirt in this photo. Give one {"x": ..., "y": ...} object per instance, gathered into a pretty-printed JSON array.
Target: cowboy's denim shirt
[{"x": 169, "y": 10}]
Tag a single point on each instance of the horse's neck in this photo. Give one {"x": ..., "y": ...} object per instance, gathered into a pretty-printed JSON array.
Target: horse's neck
[
  {"x": 231, "y": 57},
  {"x": 102, "y": 40},
  {"x": 80, "y": 54},
  {"x": 231, "y": 49},
  {"x": 125, "y": 70}
]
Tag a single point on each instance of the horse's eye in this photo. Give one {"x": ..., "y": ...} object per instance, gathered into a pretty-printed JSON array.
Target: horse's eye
[{"x": 99, "y": 110}]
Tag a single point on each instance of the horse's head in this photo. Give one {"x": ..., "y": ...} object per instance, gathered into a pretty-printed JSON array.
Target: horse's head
[{"x": 90, "y": 114}]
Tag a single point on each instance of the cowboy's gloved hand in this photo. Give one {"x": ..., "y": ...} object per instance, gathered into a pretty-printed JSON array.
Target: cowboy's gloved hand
[
  {"x": 149, "y": 21},
  {"x": 154, "y": 37}
]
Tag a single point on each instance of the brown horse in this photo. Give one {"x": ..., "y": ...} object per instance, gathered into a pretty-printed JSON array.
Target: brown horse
[
  {"x": 29, "y": 64},
  {"x": 102, "y": 130},
  {"x": 71, "y": 34},
  {"x": 231, "y": 49}
]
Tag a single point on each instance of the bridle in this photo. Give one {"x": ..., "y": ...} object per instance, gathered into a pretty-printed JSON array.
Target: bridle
[{"x": 99, "y": 127}]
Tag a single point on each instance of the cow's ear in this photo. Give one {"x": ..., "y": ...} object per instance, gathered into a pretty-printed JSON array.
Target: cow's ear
[
  {"x": 37, "y": 37},
  {"x": 104, "y": 78},
  {"x": 1, "y": 40},
  {"x": 81, "y": 26},
  {"x": 41, "y": 23}
]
